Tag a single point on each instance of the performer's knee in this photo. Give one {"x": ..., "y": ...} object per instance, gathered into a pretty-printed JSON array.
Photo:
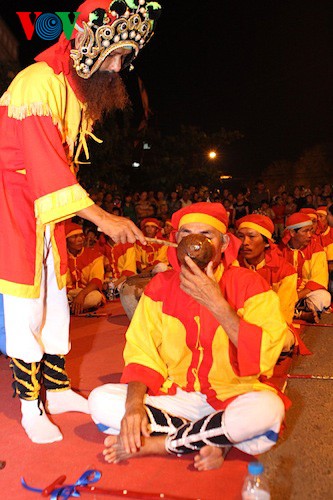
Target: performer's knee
[
  {"x": 272, "y": 409},
  {"x": 107, "y": 405}
]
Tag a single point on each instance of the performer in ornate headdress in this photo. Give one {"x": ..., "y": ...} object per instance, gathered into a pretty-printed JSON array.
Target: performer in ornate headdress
[{"x": 46, "y": 116}]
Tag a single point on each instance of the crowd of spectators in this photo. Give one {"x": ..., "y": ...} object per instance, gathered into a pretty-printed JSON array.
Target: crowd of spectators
[{"x": 277, "y": 205}]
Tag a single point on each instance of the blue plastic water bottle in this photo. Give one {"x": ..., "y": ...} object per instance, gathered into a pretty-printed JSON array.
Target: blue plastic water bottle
[{"x": 255, "y": 486}]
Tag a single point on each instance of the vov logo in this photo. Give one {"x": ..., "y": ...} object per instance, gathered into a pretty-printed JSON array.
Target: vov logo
[{"x": 48, "y": 25}]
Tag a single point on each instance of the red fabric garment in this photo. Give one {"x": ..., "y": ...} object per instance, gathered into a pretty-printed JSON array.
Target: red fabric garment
[
  {"x": 115, "y": 254},
  {"x": 279, "y": 211},
  {"x": 78, "y": 266},
  {"x": 150, "y": 254},
  {"x": 303, "y": 255},
  {"x": 326, "y": 237},
  {"x": 276, "y": 266},
  {"x": 32, "y": 164},
  {"x": 239, "y": 286}
]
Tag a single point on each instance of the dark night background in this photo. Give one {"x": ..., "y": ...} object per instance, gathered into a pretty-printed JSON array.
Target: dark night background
[{"x": 263, "y": 67}]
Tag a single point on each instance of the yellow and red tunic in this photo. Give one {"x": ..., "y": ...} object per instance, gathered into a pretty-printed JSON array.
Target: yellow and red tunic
[
  {"x": 173, "y": 341},
  {"x": 39, "y": 125},
  {"x": 86, "y": 267},
  {"x": 122, "y": 259},
  {"x": 150, "y": 254},
  {"x": 326, "y": 240},
  {"x": 310, "y": 263},
  {"x": 281, "y": 276}
]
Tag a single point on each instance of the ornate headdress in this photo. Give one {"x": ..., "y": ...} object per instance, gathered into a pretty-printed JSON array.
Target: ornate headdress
[{"x": 108, "y": 27}]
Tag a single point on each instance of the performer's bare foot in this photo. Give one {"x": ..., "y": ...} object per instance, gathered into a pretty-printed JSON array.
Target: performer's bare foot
[
  {"x": 210, "y": 457},
  {"x": 310, "y": 316},
  {"x": 115, "y": 451}
]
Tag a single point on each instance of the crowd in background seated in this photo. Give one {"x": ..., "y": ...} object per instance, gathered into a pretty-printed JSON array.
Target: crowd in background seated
[
  {"x": 161, "y": 205},
  {"x": 296, "y": 230}
]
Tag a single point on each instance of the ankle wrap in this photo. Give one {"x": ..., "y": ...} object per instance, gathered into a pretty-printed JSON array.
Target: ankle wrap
[
  {"x": 55, "y": 377},
  {"x": 27, "y": 378},
  {"x": 193, "y": 436}
]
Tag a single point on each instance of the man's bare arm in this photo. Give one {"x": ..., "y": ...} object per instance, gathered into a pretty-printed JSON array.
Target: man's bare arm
[
  {"x": 120, "y": 229},
  {"x": 135, "y": 420}
]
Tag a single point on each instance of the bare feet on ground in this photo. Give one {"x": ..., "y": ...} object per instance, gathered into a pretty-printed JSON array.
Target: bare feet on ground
[
  {"x": 210, "y": 457},
  {"x": 115, "y": 451},
  {"x": 310, "y": 317}
]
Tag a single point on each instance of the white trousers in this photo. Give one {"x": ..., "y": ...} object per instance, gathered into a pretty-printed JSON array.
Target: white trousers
[
  {"x": 37, "y": 326},
  {"x": 252, "y": 421}
]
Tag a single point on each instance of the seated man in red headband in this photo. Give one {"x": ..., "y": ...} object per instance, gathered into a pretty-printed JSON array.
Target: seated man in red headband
[
  {"x": 85, "y": 271},
  {"x": 259, "y": 253},
  {"x": 150, "y": 259},
  {"x": 195, "y": 350},
  {"x": 148, "y": 256},
  {"x": 308, "y": 258},
  {"x": 325, "y": 235}
]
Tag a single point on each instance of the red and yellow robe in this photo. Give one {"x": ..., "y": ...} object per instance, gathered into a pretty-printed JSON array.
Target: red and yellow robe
[
  {"x": 282, "y": 277},
  {"x": 173, "y": 341},
  {"x": 122, "y": 259},
  {"x": 150, "y": 255},
  {"x": 86, "y": 267},
  {"x": 326, "y": 240},
  {"x": 310, "y": 263},
  {"x": 39, "y": 125}
]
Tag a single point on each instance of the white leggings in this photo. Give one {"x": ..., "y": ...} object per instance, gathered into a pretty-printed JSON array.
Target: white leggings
[
  {"x": 251, "y": 422},
  {"x": 37, "y": 326}
]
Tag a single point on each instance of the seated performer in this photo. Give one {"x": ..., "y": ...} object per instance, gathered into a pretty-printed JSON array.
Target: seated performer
[
  {"x": 148, "y": 256},
  {"x": 119, "y": 261},
  {"x": 90, "y": 236},
  {"x": 85, "y": 272},
  {"x": 312, "y": 213},
  {"x": 164, "y": 233},
  {"x": 150, "y": 259},
  {"x": 196, "y": 347},
  {"x": 259, "y": 253},
  {"x": 309, "y": 259}
]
